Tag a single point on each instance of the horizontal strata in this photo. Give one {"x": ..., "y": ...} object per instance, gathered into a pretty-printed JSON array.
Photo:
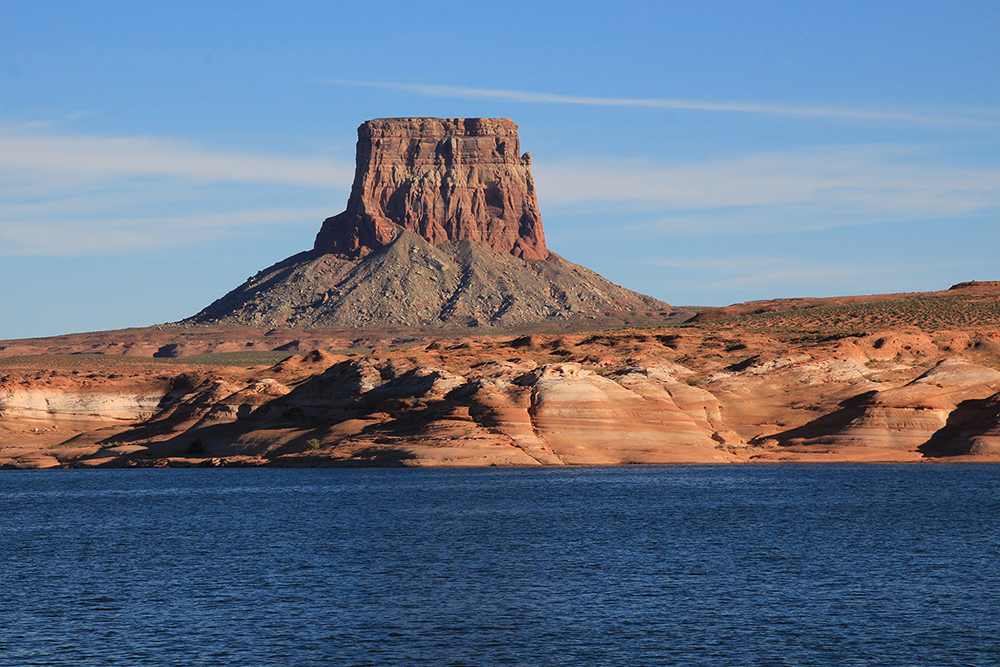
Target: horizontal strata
[
  {"x": 439, "y": 127},
  {"x": 446, "y": 180},
  {"x": 598, "y": 397}
]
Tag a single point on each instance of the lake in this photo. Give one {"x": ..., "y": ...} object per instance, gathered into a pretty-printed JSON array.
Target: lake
[{"x": 688, "y": 565}]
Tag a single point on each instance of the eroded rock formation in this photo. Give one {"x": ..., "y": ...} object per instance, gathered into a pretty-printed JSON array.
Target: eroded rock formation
[
  {"x": 444, "y": 179},
  {"x": 663, "y": 395},
  {"x": 442, "y": 229},
  {"x": 386, "y": 411},
  {"x": 823, "y": 383},
  {"x": 905, "y": 417}
]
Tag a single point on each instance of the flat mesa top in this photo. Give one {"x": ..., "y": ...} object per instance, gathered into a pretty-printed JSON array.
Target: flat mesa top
[{"x": 438, "y": 127}]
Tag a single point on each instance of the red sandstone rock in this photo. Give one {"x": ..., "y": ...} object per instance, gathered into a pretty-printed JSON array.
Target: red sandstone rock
[
  {"x": 905, "y": 417},
  {"x": 598, "y": 398},
  {"x": 444, "y": 179}
]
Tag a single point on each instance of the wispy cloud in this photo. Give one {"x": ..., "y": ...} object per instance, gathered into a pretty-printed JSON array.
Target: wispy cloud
[
  {"x": 63, "y": 194},
  {"x": 780, "y": 191},
  {"x": 737, "y": 270},
  {"x": 96, "y": 156},
  {"x": 737, "y": 275},
  {"x": 980, "y": 117},
  {"x": 8, "y": 126},
  {"x": 100, "y": 236}
]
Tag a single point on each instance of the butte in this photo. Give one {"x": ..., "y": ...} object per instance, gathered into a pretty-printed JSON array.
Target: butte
[{"x": 442, "y": 230}]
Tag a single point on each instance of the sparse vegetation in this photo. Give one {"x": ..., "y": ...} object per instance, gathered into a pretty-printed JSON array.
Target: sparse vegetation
[
  {"x": 312, "y": 445},
  {"x": 818, "y": 323}
]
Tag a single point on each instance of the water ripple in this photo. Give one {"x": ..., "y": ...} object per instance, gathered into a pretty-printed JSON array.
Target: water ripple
[{"x": 749, "y": 565}]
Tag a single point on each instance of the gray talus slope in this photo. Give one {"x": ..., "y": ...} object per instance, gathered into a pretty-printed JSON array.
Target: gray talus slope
[{"x": 411, "y": 283}]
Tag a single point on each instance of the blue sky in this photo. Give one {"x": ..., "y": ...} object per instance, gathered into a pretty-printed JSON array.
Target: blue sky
[{"x": 155, "y": 155}]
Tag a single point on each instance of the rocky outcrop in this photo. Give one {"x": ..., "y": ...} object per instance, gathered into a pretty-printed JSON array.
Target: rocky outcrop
[
  {"x": 562, "y": 413},
  {"x": 500, "y": 412},
  {"x": 907, "y": 417},
  {"x": 666, "y": 395},
  {"x": 442, "y": 230},
  {"x": 972, "y": 429},
  {"x": 446, "y": 180},
  {"x": 47, "y": 403},
  {"x": 392, "y": 411}
]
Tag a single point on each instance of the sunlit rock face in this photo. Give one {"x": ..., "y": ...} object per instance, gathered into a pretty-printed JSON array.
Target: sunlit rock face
[{"x": 446, "y": 180}]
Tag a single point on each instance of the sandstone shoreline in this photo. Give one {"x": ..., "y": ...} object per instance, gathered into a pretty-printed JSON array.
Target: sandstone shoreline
[{"x": 657, "y": 395}]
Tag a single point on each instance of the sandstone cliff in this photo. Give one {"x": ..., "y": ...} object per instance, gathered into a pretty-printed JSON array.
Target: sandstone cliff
[
  {"x": 382, "y": 411},
  {"x": 663, "y": 395},
  {"x": 906, "y": 417},
  {"x": 442, "y": 229}
]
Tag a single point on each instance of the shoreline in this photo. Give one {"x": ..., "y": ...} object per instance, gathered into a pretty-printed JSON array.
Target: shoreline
[
  {"x": 90, "y": 458},
  {"x": 855, "y": 382}
]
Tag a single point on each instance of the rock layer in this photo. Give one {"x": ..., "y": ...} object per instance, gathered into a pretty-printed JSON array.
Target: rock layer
[
  {"x": 906, "y": 417},
  {"x": 444, "y": 179},
  {"x": 651, "y": 395},
  {"x": 390, "y": 411}
]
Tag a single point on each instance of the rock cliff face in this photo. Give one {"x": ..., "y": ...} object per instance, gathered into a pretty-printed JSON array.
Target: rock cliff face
[
  {"x": 441, "y": 230},
  {"x": 444, "y": 179},
  {"x": 381, "y": 411},
  {"x": 650, "y": 395},
  {"x": 905, "y": 417}
]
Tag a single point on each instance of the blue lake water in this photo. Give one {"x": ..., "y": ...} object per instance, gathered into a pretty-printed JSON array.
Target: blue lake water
[{"x": 687, "y": 565}]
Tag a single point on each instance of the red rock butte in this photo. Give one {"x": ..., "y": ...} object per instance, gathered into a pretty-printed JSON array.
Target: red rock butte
[
  {"x": 441, "y": 230},
  {"x": 446, "y": 179}
]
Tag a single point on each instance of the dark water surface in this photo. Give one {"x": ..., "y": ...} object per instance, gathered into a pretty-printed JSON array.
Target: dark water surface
[{"x": 723, "y": 565}]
